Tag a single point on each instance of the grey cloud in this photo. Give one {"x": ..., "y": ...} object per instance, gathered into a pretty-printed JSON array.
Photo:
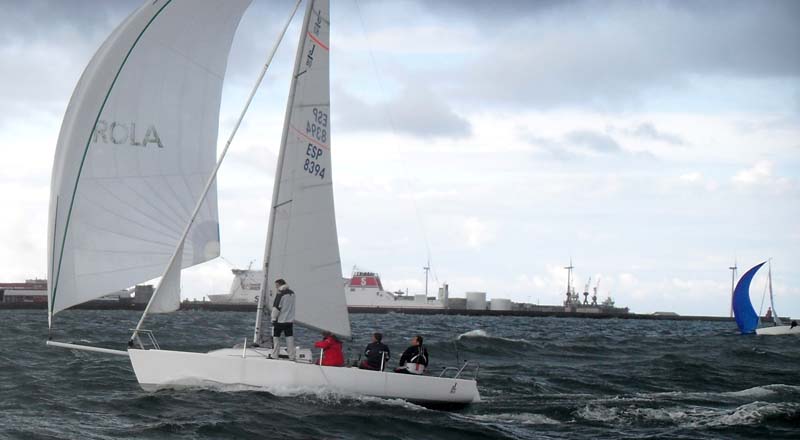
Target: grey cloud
[
  {"x": 597, "y": 142},
  {"x": 574, "y": 145},
  {"x": 45, "y": 46},
  {"x": 37, "y": 19},
  {"x": 481, "y": 10},
  {"x": 579, "y": 54},
  {"x": 582, "y": 144},
  {"x": 553, "y": 148},
  {"x": 649, "y": 131},
  {"x": 415, "y": 111}
]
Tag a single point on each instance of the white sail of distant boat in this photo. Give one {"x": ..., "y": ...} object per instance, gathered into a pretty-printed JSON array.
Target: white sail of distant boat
[
  {"x": 746, "y": 317},
  {"x": 99, "y": 242},
  {"x": 776, "y": 319}
]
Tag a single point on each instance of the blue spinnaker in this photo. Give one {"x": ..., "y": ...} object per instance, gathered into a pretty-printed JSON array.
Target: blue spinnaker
[{"x": 743, "y": 311}]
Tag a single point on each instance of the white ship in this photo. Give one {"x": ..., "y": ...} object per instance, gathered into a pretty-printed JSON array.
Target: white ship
[
  {"x": 245, "y": 288},
  {"x": 362, "y": 289}
]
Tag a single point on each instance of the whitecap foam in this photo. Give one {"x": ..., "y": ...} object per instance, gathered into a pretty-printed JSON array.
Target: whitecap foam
[
  {"x": 759, "y": 392},
  {"x": 478, "y": 333},
  {"x": 750, "y": 414},
  {"x": 322, "y": 393},
  {"x": 325, "y": 395},
  {"x": 517, "y": 418},
  {"x": 599, "y": 413},
  {"x": 390, "y": 402},
  {"x": 755, "y": 392},
  {"x": 690, "y": 416}
]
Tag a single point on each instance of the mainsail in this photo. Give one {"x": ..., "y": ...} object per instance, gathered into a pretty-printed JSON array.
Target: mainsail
[
  {"x": 302, "y": 244},
  {"x": 136, "y": 148},
  {"x": 743, "y": 311},
  {"x": 775, "y": 317}
]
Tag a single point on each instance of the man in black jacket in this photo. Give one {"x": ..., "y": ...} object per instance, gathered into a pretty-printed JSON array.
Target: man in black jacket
[
  {"x": 414, "y": 359},
  {"x": 376, "y": 353}
]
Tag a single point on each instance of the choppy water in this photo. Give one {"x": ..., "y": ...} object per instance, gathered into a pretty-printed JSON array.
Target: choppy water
[{"x": 539, "y": 377}]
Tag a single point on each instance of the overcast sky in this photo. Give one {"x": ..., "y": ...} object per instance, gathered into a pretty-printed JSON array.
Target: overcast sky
[{"x": 653, "y": 143}]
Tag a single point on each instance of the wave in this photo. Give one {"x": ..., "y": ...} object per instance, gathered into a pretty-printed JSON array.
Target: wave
[
  {"x": 478, "y": 333},
  {"x": 515, "y": 418},
  {"x": 760, "y": 392},
  {"x": 752, "y": 414},
  {"x": 749, "y": 414},
  {"x": 328, "y": 396},
  {"x": 774, "y": 391},
  {"x": 642, "y": 408},
  {"x": 482, "y": 334}
]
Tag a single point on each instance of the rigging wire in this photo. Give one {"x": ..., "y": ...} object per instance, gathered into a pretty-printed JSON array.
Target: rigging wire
[
  {"x": 763, "y": 295},
  {"x": 393, "y": 129}
]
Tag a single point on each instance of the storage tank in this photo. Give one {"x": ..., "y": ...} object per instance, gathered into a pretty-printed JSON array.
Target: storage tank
[
  {"x": 500, "y": 304},
  {"x": 457, "y": 303},
  {"x": 476, "y": 300}
]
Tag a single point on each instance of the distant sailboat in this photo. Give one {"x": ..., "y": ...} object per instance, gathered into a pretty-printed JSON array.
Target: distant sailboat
[
  {"x": 136, "y": 153},
  {"x": 746, "y": 317}
]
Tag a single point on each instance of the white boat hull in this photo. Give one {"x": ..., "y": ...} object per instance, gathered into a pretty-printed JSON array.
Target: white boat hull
[
  {"x": 158, "y": 369},
  {"x": 778, "y": 330}
]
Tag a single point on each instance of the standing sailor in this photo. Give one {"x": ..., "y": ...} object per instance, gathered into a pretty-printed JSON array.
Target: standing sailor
[{"x": 283, "y": 319}]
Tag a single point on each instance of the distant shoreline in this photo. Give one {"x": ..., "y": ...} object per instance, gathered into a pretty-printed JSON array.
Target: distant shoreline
[{"x": 217, "y": 307}]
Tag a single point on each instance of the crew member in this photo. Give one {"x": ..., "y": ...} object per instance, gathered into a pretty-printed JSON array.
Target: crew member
[
  {"x": 331, "y": 346},
  {"x": 283, "y": 319},
  {"x": 376, "y": 353},
  {"x": 414, "y": 359}
]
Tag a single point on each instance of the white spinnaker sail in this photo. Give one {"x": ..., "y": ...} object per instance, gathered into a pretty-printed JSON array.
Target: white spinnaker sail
[
  {"x": 304, "y": 248},
  {"x": 136, "y": 147}
]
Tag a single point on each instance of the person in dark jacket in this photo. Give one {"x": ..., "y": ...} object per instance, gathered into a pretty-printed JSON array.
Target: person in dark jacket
[
  {"x": 376, "y": 353},
  {"x": 414, "y": 359},
  {"x": 331, "y": 346}
]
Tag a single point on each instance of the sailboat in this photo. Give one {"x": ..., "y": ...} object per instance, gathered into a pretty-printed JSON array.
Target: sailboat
[
  {"x": 746, "y": 317},
  {"x": 136, "y": 153}
]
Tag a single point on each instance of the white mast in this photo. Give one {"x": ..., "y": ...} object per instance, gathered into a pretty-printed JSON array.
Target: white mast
[
  {"x": 775, "y": 318},
  {"x": 262, "y": 299},
  {"x": 427, "y": 269},
  {"x": 733, "y": 280},
  {"x": 171, "y": 274}
]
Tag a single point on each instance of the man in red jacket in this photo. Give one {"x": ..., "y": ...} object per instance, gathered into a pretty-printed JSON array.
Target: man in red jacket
[{"x": 331, "y": 350}]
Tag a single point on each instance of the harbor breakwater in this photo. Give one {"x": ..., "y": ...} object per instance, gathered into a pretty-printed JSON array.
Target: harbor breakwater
[{"x": 221, "y": 307}]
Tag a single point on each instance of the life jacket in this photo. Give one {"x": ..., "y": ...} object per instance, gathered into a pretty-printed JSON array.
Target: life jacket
[
  {"x": 418, "y": 362},
  {"x": 414, "y": 368}
]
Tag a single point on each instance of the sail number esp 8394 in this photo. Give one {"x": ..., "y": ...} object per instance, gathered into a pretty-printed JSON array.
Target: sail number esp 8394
[{"x": 318, "y": 130}]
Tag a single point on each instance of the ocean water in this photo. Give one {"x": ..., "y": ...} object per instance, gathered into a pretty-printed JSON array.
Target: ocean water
[{"x": 539, "y": 378}]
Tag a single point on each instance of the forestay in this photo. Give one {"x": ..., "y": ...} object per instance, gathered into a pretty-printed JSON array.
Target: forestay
[
  {"x": 136, "y": 148},
  {"x": 303, "y": 247}
]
